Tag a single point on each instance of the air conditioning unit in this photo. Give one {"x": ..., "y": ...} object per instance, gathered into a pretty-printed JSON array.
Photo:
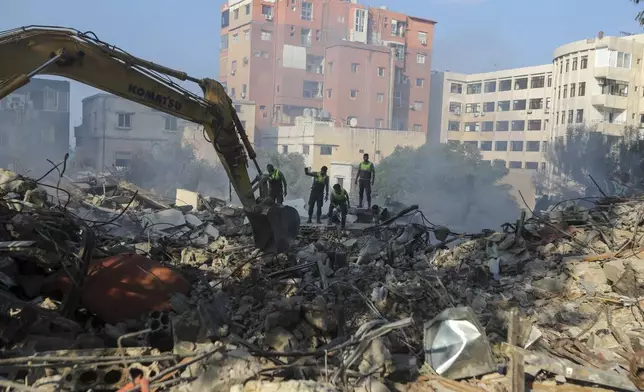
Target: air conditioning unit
[
  {"x": 482, "y": 114},
  {"x": 243, "y": 95},
  {"x": 423, "y": 42},
  {"x": 601, "y": 81},
  {"x": 529, "y": 111},
  {"x": 546, "y": 111},
  {"x": 476, "y": 114},
  {"x": 412, "y": 107},
  {"x": 245, "y": 60},
  {"x": 233, "y": 72},
  {"x": 269, "y": 17}
]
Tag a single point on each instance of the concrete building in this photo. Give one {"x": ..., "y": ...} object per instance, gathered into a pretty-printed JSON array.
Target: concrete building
[
  {"x": 597, "y": 83},
  {"x": 193, "y": 134},
  {"x": 504, "y": 113},
  {"x": 114, "y": 129},
  {"x": 34, "y": 125},
  {"x": 341, "y": 148},
  {"x": 335, "y": 59}
]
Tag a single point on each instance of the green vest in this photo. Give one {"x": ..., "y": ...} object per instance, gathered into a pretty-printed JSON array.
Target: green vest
[
  {"x": 339, "y": 197},
  {"x": 320, "y": 178},
  {"x": 366, "y": 166},
  {"x": 275, "y": 175}
]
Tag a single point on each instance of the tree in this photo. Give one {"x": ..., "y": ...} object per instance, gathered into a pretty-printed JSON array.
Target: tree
[
  {"x": 450, "y": 183},
  {"x": 585, "y": 152},
  {"x": 640, "y": 15}
]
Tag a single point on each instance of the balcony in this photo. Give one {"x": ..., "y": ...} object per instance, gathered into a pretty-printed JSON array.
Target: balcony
[
  {"x": 613, "y": 73},
  {"x": 609, "y": 101}
]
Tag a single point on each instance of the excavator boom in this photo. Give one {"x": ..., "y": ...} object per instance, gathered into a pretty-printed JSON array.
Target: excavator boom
[{"x": 28, "y": 51}]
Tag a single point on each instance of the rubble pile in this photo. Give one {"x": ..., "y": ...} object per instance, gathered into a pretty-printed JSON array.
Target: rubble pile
[{"x": 104, "y": 286}]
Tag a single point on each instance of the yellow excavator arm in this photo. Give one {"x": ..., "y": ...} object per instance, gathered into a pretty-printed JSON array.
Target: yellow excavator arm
[{"x": 28, "y": 51}]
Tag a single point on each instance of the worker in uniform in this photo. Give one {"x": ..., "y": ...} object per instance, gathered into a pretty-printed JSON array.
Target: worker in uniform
[
  {"x": 319, "y": 191},
  {"x": 366, "y": 176},
  {"x": 276, "y": 183},
  {"x": 339, "y": 199}
]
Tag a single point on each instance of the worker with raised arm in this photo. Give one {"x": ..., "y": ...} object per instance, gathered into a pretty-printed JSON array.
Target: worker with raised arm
[
  {"x": 319, "y": 191},
  {"x": 277, "y": 184},
  {"x": 366, "y": 177},
  {"x": 339, "y": 199}
]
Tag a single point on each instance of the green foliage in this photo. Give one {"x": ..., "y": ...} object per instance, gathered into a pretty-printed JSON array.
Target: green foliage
[
  {"x": 640, "y": 15},
  {"x": 443, "y": 180},
  {"x": 292, "y": 166}
]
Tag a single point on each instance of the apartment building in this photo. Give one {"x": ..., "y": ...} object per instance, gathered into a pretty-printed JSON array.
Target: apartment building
[
  {"x": 505, "y": 114},
  {"x": 34, "y": 125},
  {"x": 114, "y": 130},
  {"x": 348, "y": 63},
  {"x": 597, "y": 83}
]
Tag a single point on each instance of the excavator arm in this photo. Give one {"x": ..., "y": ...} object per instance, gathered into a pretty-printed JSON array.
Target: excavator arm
[{"x": 28, "y": 51}]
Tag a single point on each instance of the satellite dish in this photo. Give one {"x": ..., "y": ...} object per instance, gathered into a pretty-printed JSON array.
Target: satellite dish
[{"x": 353, "y": 122}]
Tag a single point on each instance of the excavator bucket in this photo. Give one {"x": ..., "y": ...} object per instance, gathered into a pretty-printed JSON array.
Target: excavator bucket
[{"x": 275, "y": 228}]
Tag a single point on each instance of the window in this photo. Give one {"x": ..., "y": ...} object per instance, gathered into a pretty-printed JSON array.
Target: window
[
  {"x": 472, "y": 107},
  {"x": 498, "y": 163},
  {"x": 514, "y": 165},
  {"x": 573, "y": 90},
  {"x": 472, "y": 127},
  {"x": 305, "y": 149},
  {"x": 549, "y": 80},
  {"x": 548, "y": 100},
  {"x": 418, "y": 105},
  {"x": 519, "y": 104},
  {"x": 505, "y": 85},
  {"x": 380, "y": 97},
  {"x": 380, "y": 123},
  {"x": 486, "y": 146},
  {"x": 171, "y": 123},
  {"x": 521, "y": 84},
  {"x": 456, "y": 88},
  {"x": 490, "y": 87},
  {"x": 534, "y": 125},
  {"x": 266, "y": 35},
  {"x": 247, "y": 9},
  {"x": 232, "y": 92},
  {"x": 474, "y": 88},
  {"x": 340, "y": 181},
  {"x": 537, "y": 82},
  {"x": 236, "y": 14},
  {"x": 354, "y": 94},
  {"x": 488, "y": 107},
  {"x": 570, "y": 116},
  {"x": 532, "y": 146},
  {"x": 420, "y": 58},
  {"x": 361, "y": 17},
  {"x": 559, "y": 92},
  {"x": 532, "y": 165},
  {"x": 502, "y": 126},
  {"x": 244, "y": 87},
  {"x": 416, "y": 127},
  {"x": 422, "y": 37},
  {"x": 487, "y": 126},
  {"x": 235, "y": 37},
  {"x": 399, "y": 76},
  {"x": 563, "y": 116},
  {"x": 381, "y": 71},
  {"x": 330, "y": 67},
  {"x": 326, "y": 150},
  {"x": 516, "y": 146},
  {"x": 284, "y": 148},
  {"x": 225, "y": 16},
  {"x": 328, "y": 93},
  {"x": 567, "y": 65},
  {"x": 503, "y": 106},
  {"x": 398, "y": 99},
  {"x": 267, "y": 10},
  {"x": 305, "y": 37},
  {"x": 223, "y": 42},
  {"x": 420, "y": 82},
  {"x": 354, "y": 67},
  {"x": 454, "y": 107},
  {"x": 557, "y": 118},
  {"x": 399, "y": 50},
  {"x": 574, "y": 64},
  {"x": 500, "y": 146},
  {"x": 584, "y": 62},
  {"x": 582, "y": 89},
  {"x": 536, "y": 103},
  {"x": 518, "y": 125},
  {"x": 623, "y": 60},
  {"x": 124, "y": 121},
  {"x": 471, "y": 143},
  {"x": 565, "y": 90},
  {"x": 453, "y": 126},
  {"x": 122, "y": 158},
  {"x": 307, "y": 11}
]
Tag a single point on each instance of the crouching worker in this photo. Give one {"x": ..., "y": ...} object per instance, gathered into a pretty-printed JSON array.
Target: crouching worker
[{"x": 339, "y": 199}]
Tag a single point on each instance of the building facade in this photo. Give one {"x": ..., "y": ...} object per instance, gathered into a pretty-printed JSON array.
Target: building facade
[
  {"x": 34, "y": 125},
  {"x": 114, "y": 129},
  {"x": 505, "y": 114},
  {"x": 335, "y": 59}
]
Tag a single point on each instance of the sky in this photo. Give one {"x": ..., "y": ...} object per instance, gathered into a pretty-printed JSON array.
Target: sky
[{"x": 470, "y": 36}]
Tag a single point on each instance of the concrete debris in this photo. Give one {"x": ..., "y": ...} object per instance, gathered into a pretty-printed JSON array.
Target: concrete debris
[{"x": 174, "y": 295}]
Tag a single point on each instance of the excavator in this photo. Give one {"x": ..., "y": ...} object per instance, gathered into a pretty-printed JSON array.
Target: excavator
[{"x": 81, "y": 56}]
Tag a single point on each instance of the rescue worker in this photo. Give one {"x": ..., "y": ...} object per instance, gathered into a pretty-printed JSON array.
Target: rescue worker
[
  {"x": 319, "y": 191},
  {"x": 340, "y": 199},
  {"x": 366, "y": 176},
  {"x": 277, "y": 184}
]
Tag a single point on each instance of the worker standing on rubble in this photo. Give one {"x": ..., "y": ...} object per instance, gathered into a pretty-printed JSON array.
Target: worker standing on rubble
[
  {"x": 366, "y": 176},
  {"x": 319, "y": 191},
  {"x": 277, "y": 184},
  {"x": 340, "y": 199}
]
